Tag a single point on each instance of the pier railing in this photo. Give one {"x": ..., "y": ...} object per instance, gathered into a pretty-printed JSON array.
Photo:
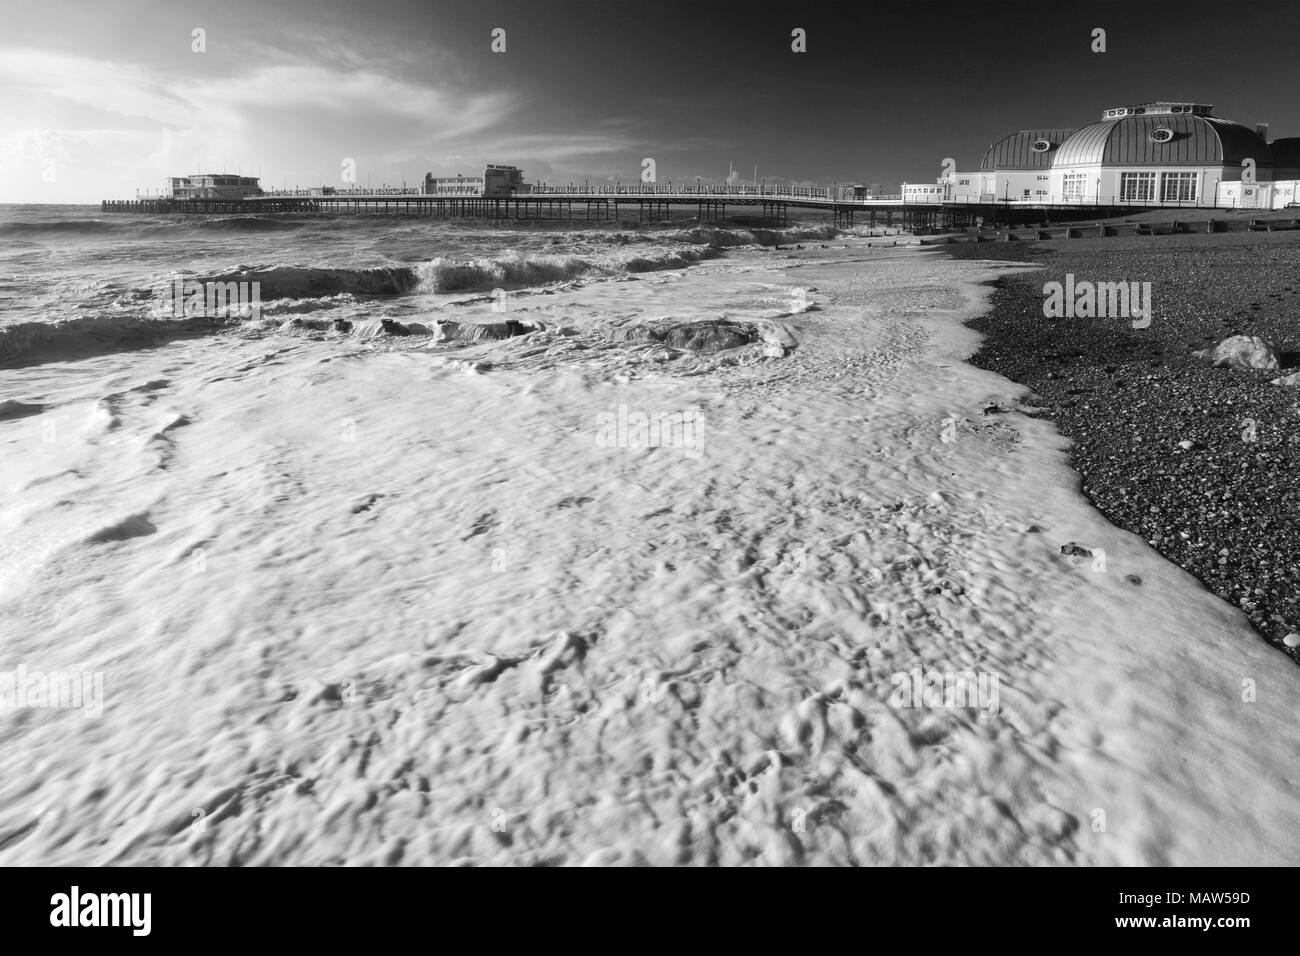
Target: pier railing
[
  {"x": 635, "y": 190},
  {"x": 837, "y": 194},
  {"x": 843, "y": 194},
  {"x": 316, "y": 192}
]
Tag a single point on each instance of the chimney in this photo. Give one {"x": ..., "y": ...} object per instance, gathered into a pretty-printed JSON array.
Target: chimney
[{"x": 1261, "y": 130}]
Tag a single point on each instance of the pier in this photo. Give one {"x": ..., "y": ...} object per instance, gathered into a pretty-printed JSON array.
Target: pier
[{"x": 642, "y": 202}]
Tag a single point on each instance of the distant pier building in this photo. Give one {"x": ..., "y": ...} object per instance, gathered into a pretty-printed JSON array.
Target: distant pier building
[
  {"x": 496, "y": 181},
  {"x": 214, "y": 186}
]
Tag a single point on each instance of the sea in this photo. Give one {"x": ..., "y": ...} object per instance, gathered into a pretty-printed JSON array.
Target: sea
[{"x": 74, "y": 270}]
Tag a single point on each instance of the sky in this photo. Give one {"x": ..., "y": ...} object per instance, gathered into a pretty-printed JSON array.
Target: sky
[{"x": 102, "y": 98}]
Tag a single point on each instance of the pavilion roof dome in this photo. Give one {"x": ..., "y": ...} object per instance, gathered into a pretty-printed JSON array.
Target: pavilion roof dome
[
  {"x": 1163, "y": 134},
  {"x": 1025, "y": 149}
]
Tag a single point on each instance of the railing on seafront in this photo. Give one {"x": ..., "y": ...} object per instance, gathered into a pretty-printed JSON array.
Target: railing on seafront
[
  {"x": 326, "y": 191},
  {"x": 632, "y": 191},
  {"x": 828, "y": 193},
  {"x": 842, "y": 195},
  {"x": 838, "y": 194}
]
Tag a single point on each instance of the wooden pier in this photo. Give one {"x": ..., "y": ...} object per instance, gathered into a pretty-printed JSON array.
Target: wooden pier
[{"x": 648, "y": 203}]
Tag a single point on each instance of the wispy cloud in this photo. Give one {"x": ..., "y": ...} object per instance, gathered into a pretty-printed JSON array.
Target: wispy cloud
[
  {"x": 186, "y": 98},
  {"x": 289, "y": 112}
]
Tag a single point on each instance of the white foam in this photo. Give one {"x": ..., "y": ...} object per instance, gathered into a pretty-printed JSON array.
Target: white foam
[{"x": 368, "y": 607}]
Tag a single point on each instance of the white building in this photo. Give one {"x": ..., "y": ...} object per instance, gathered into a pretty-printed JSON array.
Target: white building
[
  {"x": 1157, "y": 154},
  {"x": 496, "y": 180},
  {"x": 938, "y": 191},
  {"x": 1149, "y": 154},
  {"x": 1016, "y": 168},
  {"x": 214, "y": 186}
]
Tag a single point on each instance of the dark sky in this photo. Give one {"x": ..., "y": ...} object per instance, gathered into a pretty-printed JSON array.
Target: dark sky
[{"x": 588, "y": 88}]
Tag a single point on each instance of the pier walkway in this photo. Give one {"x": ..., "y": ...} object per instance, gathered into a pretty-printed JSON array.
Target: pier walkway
[{"x": 649, "y": 202}]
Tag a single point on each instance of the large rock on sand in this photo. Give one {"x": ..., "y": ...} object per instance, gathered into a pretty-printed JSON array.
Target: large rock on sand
[
  {"x": 450, "y": 331},
  {"x": 377, "y": 329},
  {"x": 710, "y": 335},
  {"x": 1242, "y": 351}
]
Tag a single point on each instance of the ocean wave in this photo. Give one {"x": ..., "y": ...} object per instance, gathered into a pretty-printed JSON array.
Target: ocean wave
[
  {"x": 293, "y": 288},
  {"x": 304, "y": 282},
  {"x": 724, "y": 237},
  {"x": 511, "y": 271},
  {"x": 165, "y": 225},
  {"x": 244, "y": 223},
  {"x": 701, "y": 234},
  {"x": 677, "y": 259},
  {"x": 519, "y": 271},
  {"x": 303, "y": 306},
  {"x": 99, "y": 333},
  {"x": 64, "y": 226}
]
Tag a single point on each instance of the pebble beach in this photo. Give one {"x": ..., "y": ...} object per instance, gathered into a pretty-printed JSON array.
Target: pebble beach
[{"x": 1202, "y": 462}]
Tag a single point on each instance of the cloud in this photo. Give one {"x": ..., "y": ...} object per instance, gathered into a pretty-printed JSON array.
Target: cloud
[
  {"x": 184, "y": 98},
  {"x": 139, "y": 125},
  {"x": 115, "y": 126}
]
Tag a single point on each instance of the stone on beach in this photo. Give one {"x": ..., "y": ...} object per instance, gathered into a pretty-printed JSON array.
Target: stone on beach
[
  {"x": 709, "y": 335},
  {"x": 1242, "y": 351},
  {"x": 449, "y": 331},
  {"x": 297, "y": 322},
  {"x": 14, "y": 409},
  {"x": 379, "y": 329}
]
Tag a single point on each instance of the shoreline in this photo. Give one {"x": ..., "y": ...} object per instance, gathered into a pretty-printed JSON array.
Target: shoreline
[
  {"x": 597, "y": 650},
  {"x": 1227, "y": 509}
]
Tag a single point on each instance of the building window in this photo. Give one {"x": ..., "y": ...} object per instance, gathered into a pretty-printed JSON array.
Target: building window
[
  {"x": 1178, "y": 187},
  {"x": 1073, "y": 186},
  {"x": 1137, "y": 187}
]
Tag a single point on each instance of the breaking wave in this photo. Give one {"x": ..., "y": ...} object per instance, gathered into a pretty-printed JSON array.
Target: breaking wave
[
  {"x": 304, "y": 282},
  {"x": 66, "y": 226},
  {"x": 100, "y": 333},
  {"x": 98, "y": 312},
  {"x": 725, "y": 237},
  {"x": 502, "y": 272},
  {"x": 516, "y": 271}
]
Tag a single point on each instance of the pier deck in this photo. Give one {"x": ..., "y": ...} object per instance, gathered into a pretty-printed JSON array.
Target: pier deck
[{"x": 648, "y": 203}]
